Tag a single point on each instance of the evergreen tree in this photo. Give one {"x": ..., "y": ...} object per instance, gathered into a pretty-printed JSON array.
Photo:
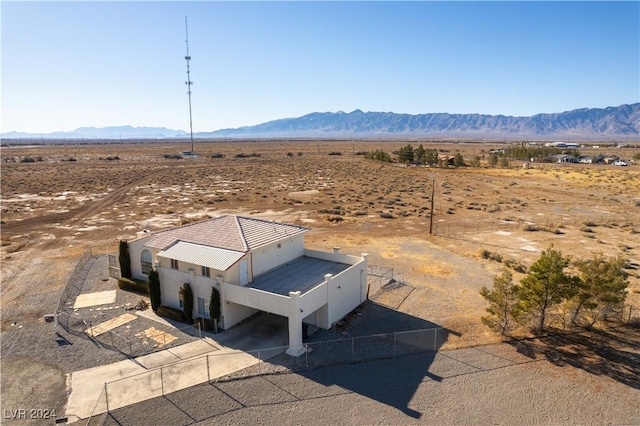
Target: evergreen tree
[
  {"x": 502, "y": 299},
  {"x": 187, "y": 302},
  {"x": 545, "y": 287},
  {"x": 418, "y": 153},
  {"x": 602, "y": 285},
  {"x": 431, "y": 157},
  {"x": 475, "y": 161},
  {"x": 458, "y": 160},
  {"x": 214, "y": 304},
  {"x": 125, "y": 260},
  {"x": 405, "y": 154},
  {"x": 153, "y": 286}
]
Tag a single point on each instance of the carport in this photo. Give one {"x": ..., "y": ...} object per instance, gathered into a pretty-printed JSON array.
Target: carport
[{"x": 298, "y": 290}]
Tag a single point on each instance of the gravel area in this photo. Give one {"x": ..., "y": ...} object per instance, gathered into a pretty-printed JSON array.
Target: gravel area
[
  {"x": 493, "y": 384},
  {"x": 34, "y": 348}
]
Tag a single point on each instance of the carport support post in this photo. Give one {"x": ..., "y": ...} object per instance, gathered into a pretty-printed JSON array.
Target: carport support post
[{"x": 295, "y": 325}]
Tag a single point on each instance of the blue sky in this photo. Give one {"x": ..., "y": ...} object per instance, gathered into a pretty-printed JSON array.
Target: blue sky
[{"x": 72, "y": 64}]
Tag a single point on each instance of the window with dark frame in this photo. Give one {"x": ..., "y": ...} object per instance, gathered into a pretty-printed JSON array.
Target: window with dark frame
[
  {"x": 206, "y": 271},
  {"x": 174, "y": 264}
]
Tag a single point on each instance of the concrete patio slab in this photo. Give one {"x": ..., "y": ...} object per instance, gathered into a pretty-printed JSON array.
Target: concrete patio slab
[
  {"x": 95, "y": 299},
  {"x": 116, "y": 322}
]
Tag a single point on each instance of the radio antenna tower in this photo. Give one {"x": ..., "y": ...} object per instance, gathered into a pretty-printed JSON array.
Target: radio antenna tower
[{"x": 189, "y": 83}]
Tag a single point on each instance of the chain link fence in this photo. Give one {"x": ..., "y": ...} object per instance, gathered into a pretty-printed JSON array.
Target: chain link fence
[
  {"x": 74, "y": 323},
  {"x": 74, "y": 285},
  {"x": 378, "y": 277}
]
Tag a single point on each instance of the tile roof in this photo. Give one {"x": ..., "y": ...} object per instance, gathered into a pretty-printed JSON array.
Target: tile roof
[{"x": 236, "y": 233}]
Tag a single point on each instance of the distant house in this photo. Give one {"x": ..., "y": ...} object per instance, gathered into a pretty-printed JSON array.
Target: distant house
[
  {"x": 256, "y": 265},
  {"x": 564, "y": 158},
  {"x": 447, "y": 160}
]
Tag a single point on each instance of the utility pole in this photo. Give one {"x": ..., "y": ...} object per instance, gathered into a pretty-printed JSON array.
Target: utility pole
[{"x": 433, "y": 191}]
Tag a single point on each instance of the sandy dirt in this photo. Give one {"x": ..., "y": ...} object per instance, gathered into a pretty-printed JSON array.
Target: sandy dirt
[{"x": 53, "y": 210}]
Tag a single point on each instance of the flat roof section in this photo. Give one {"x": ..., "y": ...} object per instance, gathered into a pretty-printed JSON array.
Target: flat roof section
[{"x": 301, "y": 274}]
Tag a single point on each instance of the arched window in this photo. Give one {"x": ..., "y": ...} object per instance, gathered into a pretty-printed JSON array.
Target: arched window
[{"x": 145, "y": 261}]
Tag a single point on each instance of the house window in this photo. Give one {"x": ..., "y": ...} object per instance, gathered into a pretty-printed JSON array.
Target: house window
[
  {"x": 174, "y": 264},
  {"x": 146, "y": 263},
  {"x": 206, "y": 271},
  {"x": 202, "y": 310},
  {"x": 181, "y": 298}
]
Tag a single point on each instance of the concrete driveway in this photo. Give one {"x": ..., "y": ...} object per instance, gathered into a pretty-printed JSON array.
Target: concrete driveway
[{"x": 100, "y": 389}]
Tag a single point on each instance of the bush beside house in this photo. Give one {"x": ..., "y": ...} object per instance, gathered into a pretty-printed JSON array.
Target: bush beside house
[
  {"x": 171, "y": 313},
  {"x": 133, "y": 285}
]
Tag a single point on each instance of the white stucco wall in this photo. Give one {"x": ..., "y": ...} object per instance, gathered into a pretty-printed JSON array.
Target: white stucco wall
[
  {"x": 271, "y": 256},
  {"x": 135, "y": 249},
  {"x": 346, "y": 291},
  {"x": 232, "y": 313},
  {"x": 171, "y": 280},
  {"x": 322, "y": 306}
]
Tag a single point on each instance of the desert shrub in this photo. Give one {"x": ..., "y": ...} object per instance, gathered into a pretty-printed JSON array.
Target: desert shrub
[
  {"x": 28, "y": 160},
  {"x": 334, "y": 219},
  {"x": 486, "y": 254},
  {"x": 217, "y": 155},
  {"x": 243, "y": 155},
  {"x": 386, "y": 215},
  {"x": 335, "y": 153},
  {"x": 360, "y": 153},
  {"x": 171, "y": 313},
  {"x": 173, "y": 156},
  {"x": 290, "y": 154},
  {"x": 141, "y": 305},
  {"x": 136, "y": 286},
  {"x": 586, "y": 229},
  {"x": 335, "y": 211},
  {"x": 515, "y": 265},
  {"x": 299, "y": 153}
]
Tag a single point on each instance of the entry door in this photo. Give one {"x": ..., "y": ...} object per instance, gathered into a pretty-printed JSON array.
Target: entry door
[{"x": 244, "y": 272}]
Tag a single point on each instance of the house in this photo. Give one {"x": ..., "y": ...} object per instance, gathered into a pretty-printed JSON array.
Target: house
[
  {"x": 564, "y": 158},
  {"x": 256, "y": 265},
  {"x": 446, "y": 160}
]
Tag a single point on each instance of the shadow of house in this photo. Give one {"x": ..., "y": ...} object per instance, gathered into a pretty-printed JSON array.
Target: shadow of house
[
  {"x": 400, "y": 350},
  {"x": 613, "y": 353},
  {"x": 372, "y": 333}
]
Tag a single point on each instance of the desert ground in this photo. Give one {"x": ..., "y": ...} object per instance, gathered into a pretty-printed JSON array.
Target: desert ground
[{"x": 73, "y": 197}]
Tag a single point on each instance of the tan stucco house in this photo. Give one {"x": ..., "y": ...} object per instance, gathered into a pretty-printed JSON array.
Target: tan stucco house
[{"x": 256, "y": 265}]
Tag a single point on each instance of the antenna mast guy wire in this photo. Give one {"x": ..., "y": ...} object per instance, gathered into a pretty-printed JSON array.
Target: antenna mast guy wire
[{"x": 189, "y": 83}]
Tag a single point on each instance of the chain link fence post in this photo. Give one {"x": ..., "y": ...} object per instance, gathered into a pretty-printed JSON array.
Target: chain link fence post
[{"x": 106, "y": 396}]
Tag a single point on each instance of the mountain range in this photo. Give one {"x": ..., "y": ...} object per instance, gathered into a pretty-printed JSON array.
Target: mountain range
[{"x": 620, "y": 122}]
